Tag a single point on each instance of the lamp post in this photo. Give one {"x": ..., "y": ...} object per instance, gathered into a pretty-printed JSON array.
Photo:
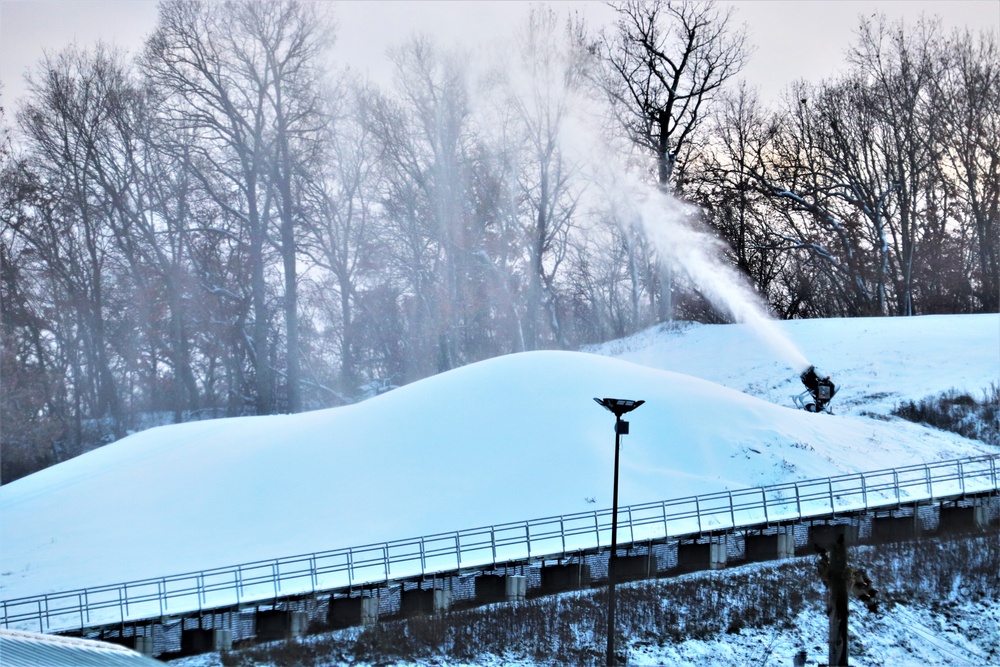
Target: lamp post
[{"x": 619, "y": 407}]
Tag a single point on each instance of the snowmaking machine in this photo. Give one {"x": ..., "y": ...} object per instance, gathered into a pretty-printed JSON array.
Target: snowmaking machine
[{"x": 819, "y": 391}]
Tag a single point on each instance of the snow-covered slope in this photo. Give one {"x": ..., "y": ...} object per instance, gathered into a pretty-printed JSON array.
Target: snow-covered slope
[
  {"x": 876, "y": 362},
  {"x": 511, "y": 438}
]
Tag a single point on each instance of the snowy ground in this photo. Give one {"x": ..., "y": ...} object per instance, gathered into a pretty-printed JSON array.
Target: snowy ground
[
  {"x": 507, "y": 439},
  {"x": 876, "y": 362}
]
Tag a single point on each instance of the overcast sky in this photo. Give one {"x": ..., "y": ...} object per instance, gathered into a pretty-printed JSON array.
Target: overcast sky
[{"x": 794, "y": 39}]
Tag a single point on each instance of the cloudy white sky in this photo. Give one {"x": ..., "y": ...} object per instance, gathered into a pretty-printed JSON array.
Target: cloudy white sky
[{"x": 794, "y": 39}]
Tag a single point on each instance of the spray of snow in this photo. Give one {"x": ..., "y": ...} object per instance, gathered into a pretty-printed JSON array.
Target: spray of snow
[
  {"x": 549, "y": 93},
  {"x": 667, "y": 223},
  {"x": 671, "y": 226}
]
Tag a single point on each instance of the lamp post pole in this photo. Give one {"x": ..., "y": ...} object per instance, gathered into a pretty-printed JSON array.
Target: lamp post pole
[
  {"x": 619, "y": 407},
  {"x": 613, "y": 558}
]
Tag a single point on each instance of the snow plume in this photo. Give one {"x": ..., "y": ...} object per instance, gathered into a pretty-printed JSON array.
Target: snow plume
[
  {"x": 667, "y": 223},
  {"x": 670, "y": 225}
]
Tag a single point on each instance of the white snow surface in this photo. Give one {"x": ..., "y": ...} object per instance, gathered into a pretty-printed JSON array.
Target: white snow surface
[{"x": 508, "y": 439}]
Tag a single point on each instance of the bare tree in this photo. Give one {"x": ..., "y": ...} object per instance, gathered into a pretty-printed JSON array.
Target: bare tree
[
  {"x": 544, "y": 85},
  {"x": 71, "y": 98},
  {"x": 899, "y": 68},
  {"x": 245, "y": 78},
  {"x": 855, "y": 167},
  {"x": 424, "y": 134},
  {"x": 342, "y": 200},
  {"x": 289, "y": 41},
  {"x": 967, "y": 98},
  {"x": 666, "y": 62},
  {"x": 725, "y": 187}
]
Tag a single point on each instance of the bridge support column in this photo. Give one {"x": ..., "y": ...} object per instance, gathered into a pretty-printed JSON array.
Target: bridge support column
[
  {"x": 277, "y": 624},
  {"x": 196, "y": 641},
  {"x": 348, "y": 612},
  {"x": 501, "y": 588},
  {"x": 718, "y": 553},
  {"x": 633, "y": 568},
  {"x": 139, "y": 643},
  {"x": 692, "y": 556},
  {"x": 567, "y": 577},
  {"x": 144, "y": 644},
  {"x": 770, "y": 547},
  {"x": 964, "y": 519},
  {"x": 420, "y": 601}
]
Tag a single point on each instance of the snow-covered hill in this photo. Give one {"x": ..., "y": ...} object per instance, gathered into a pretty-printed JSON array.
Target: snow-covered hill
[{"x": 511, "y": 438}]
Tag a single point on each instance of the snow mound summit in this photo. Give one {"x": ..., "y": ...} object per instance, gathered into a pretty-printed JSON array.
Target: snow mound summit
[{"x": 511, "y": 438}]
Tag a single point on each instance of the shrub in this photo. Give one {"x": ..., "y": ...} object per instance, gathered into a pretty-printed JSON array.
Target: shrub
[{"x": 958, "y": 412}]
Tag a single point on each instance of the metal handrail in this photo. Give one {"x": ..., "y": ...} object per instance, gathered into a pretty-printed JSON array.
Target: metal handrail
[{"x": 492, "y": 546}]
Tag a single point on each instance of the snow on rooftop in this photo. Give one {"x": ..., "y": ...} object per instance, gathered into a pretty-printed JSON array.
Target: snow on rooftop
[{"x": 31, "y": 649}]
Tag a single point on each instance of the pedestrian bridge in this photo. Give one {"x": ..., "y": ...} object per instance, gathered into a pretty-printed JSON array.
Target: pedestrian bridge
[{"x": 405, "y": 563}]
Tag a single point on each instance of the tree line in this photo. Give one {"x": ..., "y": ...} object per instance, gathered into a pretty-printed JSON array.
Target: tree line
[{"x": 228, "y": 223}]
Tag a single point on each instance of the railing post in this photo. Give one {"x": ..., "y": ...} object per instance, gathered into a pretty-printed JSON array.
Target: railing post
[
  {"x": 350, "y": 567},
  {"x": 930, "y": 485},
  {"x": 798, "y": 501},
  {"x": 961, "y": 478},
  {"x": 663, "y": 506},
  {"x": 160, "y": 586},
  {"x": 864, "y": 491},
  {"x": 236, "y": 584},
  {"x": 631, "y": 527},
  {"x": 79, "y": 601},
  {"x": 597, "y": 531},
  {"x": 385, "y": 561},
  {"x": 423, "y": 557},
  {"x": 121, "y": 605},
  {"x": 895, "y": 482},
  {"x": 829, "y": 484},
  {"x": 562, "y": 535},
  {"x": 312, "y": 572},
  {"x": 527, "y": 538},
  {"x": 732, "y": 512},
  {"x": 697, "y": 511},
  {"x": 763, "y": 497},
  {"x": 493, "y": 544},
  {"x": 239, "y": 579},
  {"x": 274, "y": 577},
  {"x": 42, "y": 615},
  {"x": 458, "y": 550},
  {"x": 86, "y": 600}
]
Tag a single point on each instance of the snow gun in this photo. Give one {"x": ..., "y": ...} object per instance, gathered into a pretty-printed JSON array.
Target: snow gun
[{"x": 819, "y": 391}]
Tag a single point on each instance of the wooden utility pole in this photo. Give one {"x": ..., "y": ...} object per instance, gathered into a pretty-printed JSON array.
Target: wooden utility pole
[
  {"x": 839, "y": 578},
  {"x": 842, "y": 580}
]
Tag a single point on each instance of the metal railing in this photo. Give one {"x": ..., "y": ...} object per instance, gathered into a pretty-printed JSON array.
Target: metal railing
[{"x": 492, "y": 547}]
